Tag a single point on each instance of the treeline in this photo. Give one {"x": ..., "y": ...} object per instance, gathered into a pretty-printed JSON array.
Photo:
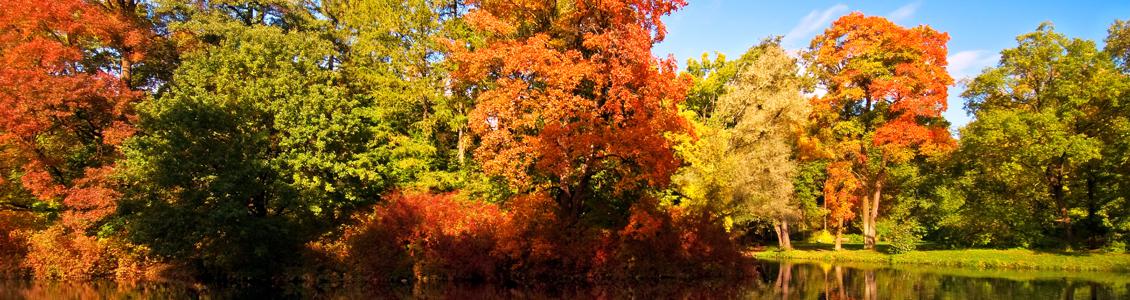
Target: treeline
[
  {"x": 372, "y": 140},
  {"x": 1043, "y": 164}
]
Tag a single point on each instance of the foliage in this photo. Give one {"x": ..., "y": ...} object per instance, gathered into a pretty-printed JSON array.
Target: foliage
[
  {"x": 1033, "y": 160},
  {"x": 572, "y": 106},
  {"x": 241, "y": 157},
  {"x": 902, "y": 237},
  {"x": 742, "y": 165},
  {"x": 428, "y": 236},
  {"x": 886, "y": 89},
  {"x": 418, "y": 235},
  {"x": 58, "y": 253},
  {"x": 64, "y": 112}
]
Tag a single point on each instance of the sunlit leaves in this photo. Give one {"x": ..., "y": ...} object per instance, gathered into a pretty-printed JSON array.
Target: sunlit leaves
[{"x": 565, "y": 101}]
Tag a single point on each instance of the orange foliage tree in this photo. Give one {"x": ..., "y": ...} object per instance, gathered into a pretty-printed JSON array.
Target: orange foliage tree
[
  {"x": 886, "y": 90},
  {"x": 64, "y": 106},
  {"x": 570, "y": 101}
]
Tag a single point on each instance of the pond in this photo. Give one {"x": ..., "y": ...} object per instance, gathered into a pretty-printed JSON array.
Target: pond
[{"x": 776, "y": 280}]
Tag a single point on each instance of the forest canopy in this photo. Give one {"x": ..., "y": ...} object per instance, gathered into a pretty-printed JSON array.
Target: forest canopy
[{"x": 268, "y": 140}]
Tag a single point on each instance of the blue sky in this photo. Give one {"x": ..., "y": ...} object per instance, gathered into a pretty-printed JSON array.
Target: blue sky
[{"x": 978, "y": 29}]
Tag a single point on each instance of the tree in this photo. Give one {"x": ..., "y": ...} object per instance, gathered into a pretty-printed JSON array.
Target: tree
[
  {"x": 1047, "y": 116},
  {"x": 570, "y": 101},
  {"x": 65, "y": 99},
  {"x": 886, "y": 89},
  {"x": 391, "y": 54},
  {"x": 1118, "y": 43},
  {"x": 709, "y": 81},
  {"x": 743, "y": 165}
]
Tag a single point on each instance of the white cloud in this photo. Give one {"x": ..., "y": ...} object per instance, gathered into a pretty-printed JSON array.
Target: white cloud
[
  {"x": 906, "y": 11},
  {"x": 966, "y": 64},
  {"x": 963, "y": 65},
  {"x": 814, "y": 21}
]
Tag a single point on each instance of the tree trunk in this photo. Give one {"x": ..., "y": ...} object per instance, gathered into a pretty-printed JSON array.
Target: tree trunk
[
  {"x": 127, "y": 69},
  {"x": 839, "y": 239},
  {"x": 462, "y": 148},
  {"x": 871, "y": 215},
  {"x": 783, "y": 237},
  {"x": 1056, "y": 183},
  {"x": 865, "y": 215}
]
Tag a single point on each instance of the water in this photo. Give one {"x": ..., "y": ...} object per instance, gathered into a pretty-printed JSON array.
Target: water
[{"x": 777, "y": 280}]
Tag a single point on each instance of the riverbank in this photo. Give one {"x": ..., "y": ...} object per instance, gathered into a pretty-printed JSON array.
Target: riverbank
[{"x": 1013, "y": 259}]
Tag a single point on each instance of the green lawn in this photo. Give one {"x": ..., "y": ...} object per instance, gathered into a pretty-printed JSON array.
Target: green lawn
[{"x": 970, "y": 258}]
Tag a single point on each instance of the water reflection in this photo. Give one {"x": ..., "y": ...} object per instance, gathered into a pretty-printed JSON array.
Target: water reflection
[
  {"x": 777, "y": 280},
  {"x": 826, "y": 281}
]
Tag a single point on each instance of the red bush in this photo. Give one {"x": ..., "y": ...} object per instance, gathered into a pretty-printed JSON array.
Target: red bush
[
  {"x": 672, "y": 242},
  {"x": 420, "y": 235},
  {"x": 428, "y": 236}
]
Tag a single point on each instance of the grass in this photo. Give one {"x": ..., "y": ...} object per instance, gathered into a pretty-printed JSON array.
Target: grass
[{"x": 984, "y": 259}]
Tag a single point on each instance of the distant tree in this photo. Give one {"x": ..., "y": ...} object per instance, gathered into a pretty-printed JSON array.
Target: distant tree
[{"x": 709, "y": 79}]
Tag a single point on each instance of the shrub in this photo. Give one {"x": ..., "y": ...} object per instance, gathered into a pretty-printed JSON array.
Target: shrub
[
  {"x": 822, "y": 237},
  {"x": 60, "y": 253},
  {"x": 425, "y": 236},
  {"x": 421, "y": 235},
  {"x": 63, "y": 254},
  {"x": 902, "y": 236},
  {"x": 675, "y": 242}
]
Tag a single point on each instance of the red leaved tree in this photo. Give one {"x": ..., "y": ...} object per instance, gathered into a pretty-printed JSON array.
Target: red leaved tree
[
  {"x": 886, "y": 90},
  {"x": 569, "y": 100},
  {"x": 65, "y": 98}
]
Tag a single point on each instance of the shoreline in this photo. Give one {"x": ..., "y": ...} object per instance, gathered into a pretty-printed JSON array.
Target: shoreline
[{"x": 981, "y": 259}]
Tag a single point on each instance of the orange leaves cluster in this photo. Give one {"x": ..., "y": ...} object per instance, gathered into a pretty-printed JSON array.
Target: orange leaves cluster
[
  {"x": 899, "y": 72},
  {"x": 57, "y": 97},
  {"x": 562, "y": 95},
  {"x": 842, "y": 192},
  {"x": 415, "y": 235},
  {"x": 428, "y": 236}
]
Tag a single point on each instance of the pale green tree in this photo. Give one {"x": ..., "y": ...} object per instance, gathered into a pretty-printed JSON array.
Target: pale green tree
[{"x": 744, "y": 162}]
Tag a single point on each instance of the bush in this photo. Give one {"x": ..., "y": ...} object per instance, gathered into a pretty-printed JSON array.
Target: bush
[
  {"x": 426, "y": 236},
  {"x": 64, "y": 254},
  {"x": 675, "y": 242},
  {"x": 822, "y": 237},
  {"x": 902, "y": 236},
  {"x": 421, "y": 235}
]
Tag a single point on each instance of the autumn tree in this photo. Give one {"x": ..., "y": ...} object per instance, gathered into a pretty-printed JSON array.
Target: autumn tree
[
  {"x": 66, "y": 98},
  {"x": 886, "y": 88},
  {"x": 743, "y": 163},
  {"x": 570, "y": 101}
]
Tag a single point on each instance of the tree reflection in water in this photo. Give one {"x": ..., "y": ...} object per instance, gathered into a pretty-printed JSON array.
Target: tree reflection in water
[{"x": 784, "y": 280}]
